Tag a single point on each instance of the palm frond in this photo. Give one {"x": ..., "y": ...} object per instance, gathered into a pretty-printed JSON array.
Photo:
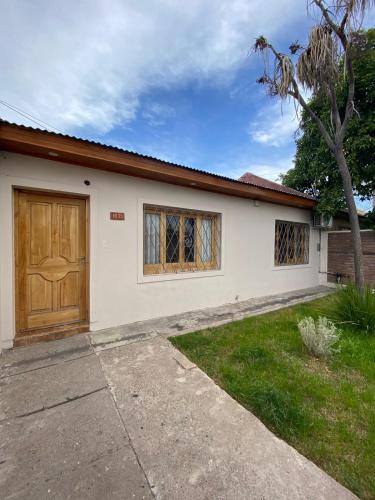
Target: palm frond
[
  {"x": 284, "y": 75},
  {"x": 317, "y": 65}
]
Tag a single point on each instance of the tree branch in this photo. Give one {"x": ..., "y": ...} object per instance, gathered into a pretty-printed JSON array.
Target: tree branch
[
  {"x": 335, "y": 109},
  {"x": 297, "y": 95},
  {"x": 344, "y": 20},
  {"x": 350, "y": 99},
  {"x": 340, "y": 32}
]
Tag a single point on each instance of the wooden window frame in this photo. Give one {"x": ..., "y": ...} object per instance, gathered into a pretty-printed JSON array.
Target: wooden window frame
[
  {"x": 304, "y": 257},
  {"x": 181, "y": 266}
]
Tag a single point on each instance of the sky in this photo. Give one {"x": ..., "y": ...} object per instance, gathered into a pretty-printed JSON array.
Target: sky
[{"x": 172, "y": 79}]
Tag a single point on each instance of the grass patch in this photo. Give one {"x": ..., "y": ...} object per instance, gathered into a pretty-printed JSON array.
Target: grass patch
[{"x": 325, "y": 408}]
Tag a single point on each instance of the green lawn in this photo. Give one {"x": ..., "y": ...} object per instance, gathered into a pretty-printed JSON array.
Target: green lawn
[{"x": 325, "y": 409}]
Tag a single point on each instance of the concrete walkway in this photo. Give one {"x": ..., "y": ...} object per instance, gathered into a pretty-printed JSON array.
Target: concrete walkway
[
  {"x": 61, "y": 435},
  {"x": 136, "y": 421}
]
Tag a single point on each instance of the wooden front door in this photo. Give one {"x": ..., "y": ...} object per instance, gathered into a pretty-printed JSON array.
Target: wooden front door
[{"x": 51, "y": 261}]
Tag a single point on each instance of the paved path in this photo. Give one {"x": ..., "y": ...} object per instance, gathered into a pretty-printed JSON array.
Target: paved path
[
  {"x": 136, "y": 421},
  {"x": 194, "y": 441},
  {"x": 61, "y": 436}
]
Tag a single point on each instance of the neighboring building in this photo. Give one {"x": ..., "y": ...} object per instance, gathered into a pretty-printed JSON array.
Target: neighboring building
[
  {"x": 341, "y": 222},
  {"x": 95, "y": 237},
  {"x": 255, "y": 180}
]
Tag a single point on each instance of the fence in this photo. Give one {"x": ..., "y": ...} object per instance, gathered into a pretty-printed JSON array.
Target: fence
[{"x": 340, "y": 256}]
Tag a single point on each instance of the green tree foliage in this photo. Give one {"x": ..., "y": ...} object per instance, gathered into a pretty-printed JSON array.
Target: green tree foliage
[
  {"x": 315, "y": 171},
  {"x": 370, "y": 219}
]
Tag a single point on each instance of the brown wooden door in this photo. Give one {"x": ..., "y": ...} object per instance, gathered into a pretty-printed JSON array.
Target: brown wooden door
[{"x": 51, "y": 260}]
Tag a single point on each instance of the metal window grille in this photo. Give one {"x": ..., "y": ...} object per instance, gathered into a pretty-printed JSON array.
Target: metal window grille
[
  {"x": 291, "y": 243},
  {"x": 178, "y": 240}
]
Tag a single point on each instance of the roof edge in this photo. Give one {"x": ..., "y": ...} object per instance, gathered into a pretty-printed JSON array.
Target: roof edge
[{"x": 78, "y": 151}]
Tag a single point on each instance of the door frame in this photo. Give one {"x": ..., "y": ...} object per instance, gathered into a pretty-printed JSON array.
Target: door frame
[{"x": 63, "y": 194}]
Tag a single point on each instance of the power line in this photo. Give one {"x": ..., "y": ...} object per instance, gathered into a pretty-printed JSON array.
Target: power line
[{"x": 30, "y": 117}]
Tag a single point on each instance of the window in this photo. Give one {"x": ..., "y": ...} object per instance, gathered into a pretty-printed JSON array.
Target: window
[
  {"x": 177, "y": 240},
  {"x": 291, "y": 243}
]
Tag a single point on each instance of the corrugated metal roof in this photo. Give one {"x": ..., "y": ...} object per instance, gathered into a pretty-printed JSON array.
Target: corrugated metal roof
[
  {"x": 257, "y": 181},
  {"x": 245, "y": 179}
]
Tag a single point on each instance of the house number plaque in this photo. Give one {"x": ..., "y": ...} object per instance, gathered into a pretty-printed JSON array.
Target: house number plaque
[{"x": 117, "y": 216}]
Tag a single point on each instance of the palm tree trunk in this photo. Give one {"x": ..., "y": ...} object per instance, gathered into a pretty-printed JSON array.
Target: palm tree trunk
[{"x": 353, "y": 218}]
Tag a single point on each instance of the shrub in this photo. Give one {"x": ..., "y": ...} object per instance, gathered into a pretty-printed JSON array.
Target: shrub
[
  {"x": 319, "y": 337},
  {"x": 350, "y": 306}
]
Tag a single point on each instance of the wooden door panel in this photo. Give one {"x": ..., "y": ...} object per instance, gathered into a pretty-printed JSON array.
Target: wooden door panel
[
  {"x": 53, "y": 318},
  {"x": 69, "y": 290},
  {"x": 40, "y": 294},
  {"x": 40, "y": 247},
  {"x": 68, "y": 232},
  {"x": 50, "y": 260}
]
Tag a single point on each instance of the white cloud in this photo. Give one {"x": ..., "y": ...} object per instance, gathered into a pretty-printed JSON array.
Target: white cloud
[
  {"x": 275, "y": 124},
  {"x": 157, "y": 114},
  {"x": 89, "y": 62},
  {"x": 268, "y": 166},
  {"x": 272, "y": 171}
]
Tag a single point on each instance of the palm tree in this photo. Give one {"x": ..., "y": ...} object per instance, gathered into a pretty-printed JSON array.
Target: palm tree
[{"x": 317, "y": 68}]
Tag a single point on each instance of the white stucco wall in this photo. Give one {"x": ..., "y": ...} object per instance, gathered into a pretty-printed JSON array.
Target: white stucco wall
[{"x": 119, "y": 293}]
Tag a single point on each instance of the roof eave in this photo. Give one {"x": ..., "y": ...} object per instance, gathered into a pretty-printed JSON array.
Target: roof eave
[{"x": 41, "y": 144}]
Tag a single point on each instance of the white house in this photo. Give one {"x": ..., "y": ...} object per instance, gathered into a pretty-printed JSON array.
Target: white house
[{"x": 93, "y": 237}]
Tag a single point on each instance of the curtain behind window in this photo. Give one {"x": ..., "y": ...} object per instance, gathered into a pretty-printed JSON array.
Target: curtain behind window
[
  {"x": 152, "y": 239},
  {"x": 206, "y": 237}
]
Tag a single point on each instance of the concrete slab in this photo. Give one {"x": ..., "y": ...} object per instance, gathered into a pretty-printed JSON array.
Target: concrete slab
[
  {"x": 195, "y": 441},
  {"x": 60, "y": 446},
  {"x": 114, "y": 337},
  {"x": 114, "y": 476},
  {"x": 36, "y": 356},
  {"x": 180, "y": 324},
  {"x": 35, "y": 390}
]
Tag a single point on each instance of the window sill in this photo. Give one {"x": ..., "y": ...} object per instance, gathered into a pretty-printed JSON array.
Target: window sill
[
  {"x": 154, "y": 278},
  {"x": 291, "y": 266}
]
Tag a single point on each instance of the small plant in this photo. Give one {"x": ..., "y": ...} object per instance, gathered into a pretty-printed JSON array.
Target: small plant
[
  {"x": 319, "y": 337},
  {"x": 356, "y": 308}
]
